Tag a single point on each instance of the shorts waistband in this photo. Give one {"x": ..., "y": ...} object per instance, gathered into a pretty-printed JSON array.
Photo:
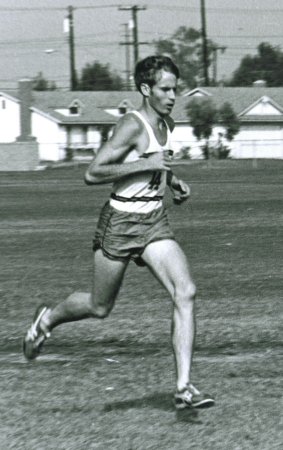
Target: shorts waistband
[{"x": 120, "y": 198}]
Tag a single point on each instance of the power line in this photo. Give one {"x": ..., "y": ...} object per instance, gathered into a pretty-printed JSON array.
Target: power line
[
  {"x": 52, "y": 8},
  {"x": 85, "y": 41},
  {"x": 230, "y": 36},
  {"x": 109, "y": 44},
  {"x": 97, "y": 6},
  {"x": 246, "y": 36},
  {"x": 58, "y": 40},
  {"x": 90, "y": 39},
  {"x": 94, "y": 35},
  {"x": 79, "y": 44},
  {"x": 217, "y": 10},
  {"x": 156, "y": 6}
]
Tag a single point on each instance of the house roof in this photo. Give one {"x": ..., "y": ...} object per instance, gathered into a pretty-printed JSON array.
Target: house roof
[
  {"x": 96, "y": 98},
  {"x": 241, "y": 98},
  {"x": 94, "y": 104},
  {"x": 97, "y": 105},
  {"x": 11, "y": 94}
]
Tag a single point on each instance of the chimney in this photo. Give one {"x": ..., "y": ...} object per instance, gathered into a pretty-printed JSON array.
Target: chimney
[{"x": 25, "y": 95}]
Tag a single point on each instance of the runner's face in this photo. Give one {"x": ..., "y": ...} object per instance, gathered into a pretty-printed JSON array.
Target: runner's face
[{"x": 163, "y": 93}]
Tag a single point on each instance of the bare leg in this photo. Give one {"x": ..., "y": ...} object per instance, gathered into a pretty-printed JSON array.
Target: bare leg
[
  {"x": 107, "y": 278},
  {"x": 169, "y": 264}
]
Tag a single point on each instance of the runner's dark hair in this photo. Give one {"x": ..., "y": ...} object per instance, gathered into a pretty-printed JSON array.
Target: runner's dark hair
[{"x": 147, "y": 69}]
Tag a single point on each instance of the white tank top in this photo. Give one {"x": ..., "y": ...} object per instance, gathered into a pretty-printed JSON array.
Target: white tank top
[{"x": 141, "y": 192}]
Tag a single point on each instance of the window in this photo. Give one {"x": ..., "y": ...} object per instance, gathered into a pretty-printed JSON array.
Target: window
[
  {"x": 122, "y": 109},
  {"x": 125, "y": 106},
  {"x": 74, "y": 110}
]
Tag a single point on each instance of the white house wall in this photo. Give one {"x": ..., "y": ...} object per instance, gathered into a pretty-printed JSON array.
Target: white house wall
[
  {"x": 258, "y": 141},
  {"x": 93, "y": 137},
  {"x": 49, "y": 137},
  {"x": 53, "y": 138},
  {"x": 9, "y": 120},
  {"x": 77, "y": 136},
  {"x": 252, "y": 141},
  {"x": 183, "y": 137}
]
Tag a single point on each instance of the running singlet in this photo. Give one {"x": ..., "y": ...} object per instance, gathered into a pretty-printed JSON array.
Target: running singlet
[{"x": 141, "y": 192}]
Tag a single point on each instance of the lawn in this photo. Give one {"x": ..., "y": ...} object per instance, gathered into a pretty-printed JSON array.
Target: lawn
[{"x": 108, "y": 385}]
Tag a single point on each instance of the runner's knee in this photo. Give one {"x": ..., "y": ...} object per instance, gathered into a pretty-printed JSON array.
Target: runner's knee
[
  {"x": 101, "y": 311},
  {"x": 185, "y": 295}
]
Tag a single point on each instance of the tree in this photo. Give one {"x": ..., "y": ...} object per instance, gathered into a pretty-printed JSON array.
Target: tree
[
  {"x": 41, "y": 84},
  {"x": 185, "y": 48},
  {"x": 203, "y": 115},
  {"x": 98, "y": 77},
  {"x": 229, "y": 119},
  {"x": 266, "y": 65}
]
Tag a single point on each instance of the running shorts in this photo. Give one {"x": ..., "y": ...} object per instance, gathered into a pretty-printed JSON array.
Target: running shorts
[{"x": 123, "y": 236}]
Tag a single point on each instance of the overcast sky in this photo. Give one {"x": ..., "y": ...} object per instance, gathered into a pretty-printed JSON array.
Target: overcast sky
[{"x": 30, "y": 27}]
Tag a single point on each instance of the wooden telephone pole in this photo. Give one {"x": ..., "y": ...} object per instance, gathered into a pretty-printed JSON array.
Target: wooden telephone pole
[
  {"x": 71, "y": 40},
  {"x": 204, "y": 44},
  {"x": 135, "y": 41}
]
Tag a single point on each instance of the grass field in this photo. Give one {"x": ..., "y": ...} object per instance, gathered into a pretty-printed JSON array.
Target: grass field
[{"x": 109, "y": 384}]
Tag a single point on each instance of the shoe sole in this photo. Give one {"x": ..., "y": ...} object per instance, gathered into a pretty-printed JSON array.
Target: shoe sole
[
  {"x": 207, "y": 403},
  {"x": 31, "y": 352}
]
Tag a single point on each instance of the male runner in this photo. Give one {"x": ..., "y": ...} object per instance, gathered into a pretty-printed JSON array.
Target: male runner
[{"x": 134, "y": 225}]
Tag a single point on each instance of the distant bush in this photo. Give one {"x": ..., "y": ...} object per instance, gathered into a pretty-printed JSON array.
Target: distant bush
[
  {"x": 218, "y": 152},
  {"x": 224, "y": 152},
  {"x": 185, "y": 152}
]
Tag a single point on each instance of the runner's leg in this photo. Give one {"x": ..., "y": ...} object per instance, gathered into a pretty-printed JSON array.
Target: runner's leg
[
  {"x": 169, "y": 264},
  {"x": 107, "y": 278}
]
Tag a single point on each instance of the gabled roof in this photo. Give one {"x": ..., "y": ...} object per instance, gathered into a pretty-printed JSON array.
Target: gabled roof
[
  {"x": 95, "y": 104},
  {"x": 95, "y": 116},
  {"x": 241, "y": 98},
  {"x": 98, "y": 99},
  {"x": 11, "y": 95},
  {"x": 271, "y": 107},
  {"x": 197, "y": 91}
]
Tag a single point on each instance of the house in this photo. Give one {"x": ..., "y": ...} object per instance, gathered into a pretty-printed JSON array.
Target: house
[
  {"x": 260, "y": 111},
  {"x": 54, "y": 125},
  {"x": 60, "y": 122}
]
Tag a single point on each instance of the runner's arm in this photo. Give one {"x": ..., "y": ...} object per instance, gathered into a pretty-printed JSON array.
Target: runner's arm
[{"x": 108, "y": 165}]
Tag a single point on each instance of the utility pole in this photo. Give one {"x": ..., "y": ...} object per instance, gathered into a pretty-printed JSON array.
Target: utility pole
[
  {"x": 215, "y": 50},
  {"x": 135, "y": 42},
  {"x": 127, "y": 44},
  {"x": 204, "y": 44},
  {"x": 70, "y": 30}
]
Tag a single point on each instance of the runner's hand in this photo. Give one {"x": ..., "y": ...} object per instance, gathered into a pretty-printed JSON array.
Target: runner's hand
[
  {"x": 181, "y": 191},
  {"x": 158, "y": 161}
]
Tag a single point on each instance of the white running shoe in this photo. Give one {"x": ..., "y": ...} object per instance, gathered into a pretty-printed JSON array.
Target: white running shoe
[
  {"x": 190, "y": 397},
  {"x": 35, "y": 336}
]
